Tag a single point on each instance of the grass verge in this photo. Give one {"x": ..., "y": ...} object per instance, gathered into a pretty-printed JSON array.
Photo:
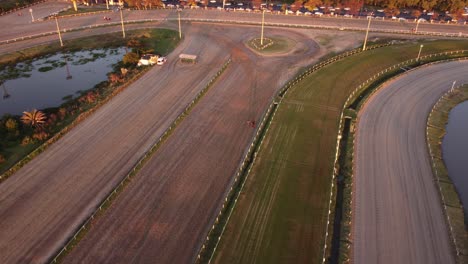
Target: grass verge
[
  {"x": 83, "y": 10},
  {"x": 436, "y": 123},
  {"x": 282, "y": 213}
]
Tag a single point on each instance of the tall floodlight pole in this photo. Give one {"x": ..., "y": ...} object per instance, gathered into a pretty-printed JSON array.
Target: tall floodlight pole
[
  {"x": 58, "y": 31},
  {"x": 180, "y": 28},
  {"x": 367, "y": 34},
  {"x": 32, "y": 17},
  {"x": 224, "y": 3},
  {"x": 107, "y": 4},
  {"x": 263, "y": 25},
  {"x": 417, "y": 24},
  {"x": 453, "y": 86},
  {"x": 419, "y": 53},
  {"x": 122, "y": 22}
]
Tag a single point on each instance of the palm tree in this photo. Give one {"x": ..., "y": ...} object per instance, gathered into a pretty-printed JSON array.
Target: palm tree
[{"x": 33, "y": 118}]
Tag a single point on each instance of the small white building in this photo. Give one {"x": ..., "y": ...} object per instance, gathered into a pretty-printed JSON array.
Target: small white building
[{"x": 188, "y": 58}]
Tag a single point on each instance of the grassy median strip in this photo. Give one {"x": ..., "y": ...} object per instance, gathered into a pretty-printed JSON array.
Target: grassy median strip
[
  {"x": 106, "y": 203},
  {"x": 281, "y": 215},
  {"x": 435, "y": 132}
]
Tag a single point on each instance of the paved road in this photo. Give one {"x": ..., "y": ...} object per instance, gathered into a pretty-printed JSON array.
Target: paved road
[
  {"x": 24, "y": 27},
  {"x": 398, "y": 217}
]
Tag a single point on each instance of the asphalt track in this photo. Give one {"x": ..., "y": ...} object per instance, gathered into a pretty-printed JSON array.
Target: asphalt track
[{"x": 398, "y": 216}]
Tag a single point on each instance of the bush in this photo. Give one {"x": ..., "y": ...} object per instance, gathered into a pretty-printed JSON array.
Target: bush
[
  {"x": 11, "y": 125},
  {"x": 131, "y": 58}
]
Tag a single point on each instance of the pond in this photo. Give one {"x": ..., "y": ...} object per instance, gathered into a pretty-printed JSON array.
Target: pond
[
  {"x": 50, "y": 81},
  {"x": 454, "y": 150}
]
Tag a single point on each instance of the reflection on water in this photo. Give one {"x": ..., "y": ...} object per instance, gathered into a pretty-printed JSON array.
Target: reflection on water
[
  {"x": 455, "y": 149},
  {"x": 45, "y": 82}
]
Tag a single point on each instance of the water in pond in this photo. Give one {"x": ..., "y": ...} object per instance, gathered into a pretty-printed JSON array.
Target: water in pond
[
  {"x": 44, "y": 82},
  {"x": 455, "y": 149}
]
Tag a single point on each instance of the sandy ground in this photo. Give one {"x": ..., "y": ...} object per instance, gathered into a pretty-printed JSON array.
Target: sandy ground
[{"x": 398, "y": 217}]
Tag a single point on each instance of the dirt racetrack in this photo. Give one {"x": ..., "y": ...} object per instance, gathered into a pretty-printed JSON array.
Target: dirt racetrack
[
  {"x": 398, "y": 216},
  {"x": 44, "y": 202},
  {"x": 165, "y": 213}
]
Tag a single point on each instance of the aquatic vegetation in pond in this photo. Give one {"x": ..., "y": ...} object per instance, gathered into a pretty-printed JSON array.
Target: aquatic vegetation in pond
[
  {"x": 45, "y": 69},
  {"x": 44, "y": 82}
]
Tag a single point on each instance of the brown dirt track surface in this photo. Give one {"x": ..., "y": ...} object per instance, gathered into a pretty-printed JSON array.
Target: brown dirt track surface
[
  {"x": 165, "y": 213},
  {"x": 398, "y": 217},
  {"x": 184, "y": 183},
  {"x": 45, "y": 201}
]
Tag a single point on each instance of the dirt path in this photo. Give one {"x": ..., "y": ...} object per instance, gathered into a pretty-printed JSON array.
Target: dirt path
[{"x": 398, "y": 217}]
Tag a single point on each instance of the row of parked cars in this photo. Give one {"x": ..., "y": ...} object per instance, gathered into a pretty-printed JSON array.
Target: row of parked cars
[
  {"x": 318, "y": 11},
  {"x": 151, "y": 59}
]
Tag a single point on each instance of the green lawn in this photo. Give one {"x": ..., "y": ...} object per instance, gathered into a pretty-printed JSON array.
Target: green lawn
[
  {"x": 282, "y": 211},
  {"x": 81, "y": 10}
]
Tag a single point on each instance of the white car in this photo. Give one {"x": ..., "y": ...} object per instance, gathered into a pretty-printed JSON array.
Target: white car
[{"x": 161, "y": 60}]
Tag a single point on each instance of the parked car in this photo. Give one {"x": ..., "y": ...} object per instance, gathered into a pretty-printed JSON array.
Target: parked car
[
  {"x": 161, "y": 60},
  {"x": 148, "y": 59}
]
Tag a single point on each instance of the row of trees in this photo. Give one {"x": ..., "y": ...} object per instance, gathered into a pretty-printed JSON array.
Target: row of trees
[{"x": 440, "y": 5}]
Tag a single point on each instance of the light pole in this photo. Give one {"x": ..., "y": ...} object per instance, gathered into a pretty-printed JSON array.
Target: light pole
[
  {"x": 224, "y": 3},
  {"x": 180, "y": 28},
  {"x": 58, "y": 31},
  {"x": 32, "y": 17},
  {"x": 122, "y": 22},
  {"x": 417, "y": 24},
  {"x": 453, "y": 86},
  {"x": 107, "y": 4},
  {"x": 419, "y": 53},
  {"x": 367, "y": 34},
  {"x": 263, "y": 25}
]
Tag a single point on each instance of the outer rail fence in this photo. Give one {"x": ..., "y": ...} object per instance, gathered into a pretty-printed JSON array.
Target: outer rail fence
[
  {"x": 208, "y": 249},
  {"x": 134, "y": 170},
  {"x": 225, "y": 21},
  {"x": 356, "y": 96}
]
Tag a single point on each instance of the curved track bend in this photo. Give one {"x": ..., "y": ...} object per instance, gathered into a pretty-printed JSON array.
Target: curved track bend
[{"x": 398, "y": 216}]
